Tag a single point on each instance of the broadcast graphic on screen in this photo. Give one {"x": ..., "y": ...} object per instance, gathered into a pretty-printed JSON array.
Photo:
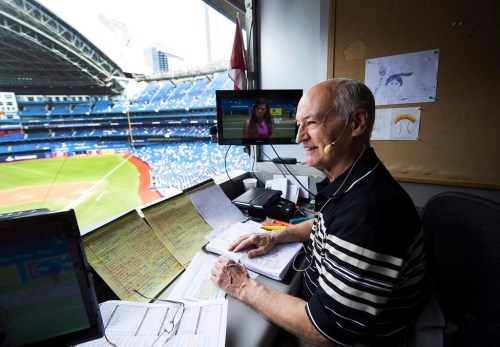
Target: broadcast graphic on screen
[{"x": 247, "y": 117}]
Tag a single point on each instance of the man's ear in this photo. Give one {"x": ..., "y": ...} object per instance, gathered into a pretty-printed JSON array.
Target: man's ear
[{"x": 359, "y": 122}]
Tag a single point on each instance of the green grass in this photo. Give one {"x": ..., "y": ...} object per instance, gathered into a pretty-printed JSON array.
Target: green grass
[
  {"x": 233, "y": 127},
  {"x": 112, "y": 184}
]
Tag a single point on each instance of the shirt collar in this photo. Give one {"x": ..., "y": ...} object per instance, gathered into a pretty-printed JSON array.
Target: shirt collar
[{"x": 326, "y": 190}]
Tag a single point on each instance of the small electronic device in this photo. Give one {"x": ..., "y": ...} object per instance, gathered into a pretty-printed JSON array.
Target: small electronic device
[
  {"x": 281, "y": 209},
  {"x": 256, "y": 201},
  {"x": 47, "y": 294},
  {"x": 235, "y": 107}
]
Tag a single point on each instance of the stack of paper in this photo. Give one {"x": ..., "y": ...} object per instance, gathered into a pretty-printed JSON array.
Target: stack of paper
[
  {"x": 291, "y": 186},
  {"x": 130, "y": 323}
]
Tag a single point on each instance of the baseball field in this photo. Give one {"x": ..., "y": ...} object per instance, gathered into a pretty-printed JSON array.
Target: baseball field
[{"x": 97, "y": 188}]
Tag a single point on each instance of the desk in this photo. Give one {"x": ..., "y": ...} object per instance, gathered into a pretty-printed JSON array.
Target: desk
[{"x": 245, "y": 327}]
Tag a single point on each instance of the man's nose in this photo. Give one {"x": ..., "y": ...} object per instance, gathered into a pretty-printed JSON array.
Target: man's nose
[{"x": 301, "y": 133}]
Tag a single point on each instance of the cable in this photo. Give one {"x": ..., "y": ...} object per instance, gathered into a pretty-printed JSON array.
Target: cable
[
  {"x": 291, "y": 173},
  {"x": 273, "y": 162},
  {"x": 225, "y": 167}
]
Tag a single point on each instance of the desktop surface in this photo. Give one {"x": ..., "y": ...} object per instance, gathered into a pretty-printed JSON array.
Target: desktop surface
[{"x": 245, "y": 327}]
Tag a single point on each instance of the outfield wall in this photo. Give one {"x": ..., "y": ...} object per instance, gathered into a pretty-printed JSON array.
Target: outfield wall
[{"x": 7, "y": 158}]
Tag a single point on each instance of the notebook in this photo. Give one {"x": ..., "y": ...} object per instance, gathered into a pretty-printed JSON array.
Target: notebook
[{"x": 274, "y": 264}]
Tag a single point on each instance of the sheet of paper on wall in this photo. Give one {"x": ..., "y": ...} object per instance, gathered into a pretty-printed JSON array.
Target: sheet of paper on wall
[
  {"x": 278, "y": 183},
  {"x": 404, "y": 78},
  {"x": 396, "y": 124},
  {"x": 300, "y": 182}
]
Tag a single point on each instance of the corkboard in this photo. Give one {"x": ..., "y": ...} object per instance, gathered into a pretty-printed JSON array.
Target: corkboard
[{"x": 459, "y": 140}]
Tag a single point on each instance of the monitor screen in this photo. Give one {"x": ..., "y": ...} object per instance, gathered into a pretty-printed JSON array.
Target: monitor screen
[
  {"x": 46, "y": 294},
  {"x": 248, "y": 117}
]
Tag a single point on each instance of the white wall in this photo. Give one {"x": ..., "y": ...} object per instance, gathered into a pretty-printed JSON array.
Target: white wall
[{"x": 293, "y": 50}]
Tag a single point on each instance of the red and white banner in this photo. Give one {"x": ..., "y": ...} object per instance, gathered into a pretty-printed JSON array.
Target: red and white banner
[{"x": 237, "y": 68}]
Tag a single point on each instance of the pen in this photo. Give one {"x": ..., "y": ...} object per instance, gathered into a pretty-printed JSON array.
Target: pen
[
  {"x": 273, "y": 227},
  {"x": 301, "y": 219}
]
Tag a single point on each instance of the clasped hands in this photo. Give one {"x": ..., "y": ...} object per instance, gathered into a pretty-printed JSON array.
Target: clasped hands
[{"x": 232, "y": 277}]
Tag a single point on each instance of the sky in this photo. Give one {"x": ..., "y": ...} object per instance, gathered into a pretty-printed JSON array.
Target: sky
[{"x": 122, "y": 29}]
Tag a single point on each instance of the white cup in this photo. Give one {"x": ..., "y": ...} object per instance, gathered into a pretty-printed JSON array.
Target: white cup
[{"x": 250, "y": 183}]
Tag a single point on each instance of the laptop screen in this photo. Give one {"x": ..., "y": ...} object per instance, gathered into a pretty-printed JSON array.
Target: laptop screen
[{"x": 46, "y": 294}]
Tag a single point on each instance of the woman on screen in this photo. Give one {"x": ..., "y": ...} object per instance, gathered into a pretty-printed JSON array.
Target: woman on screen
[{"x": 260, "y": 124}]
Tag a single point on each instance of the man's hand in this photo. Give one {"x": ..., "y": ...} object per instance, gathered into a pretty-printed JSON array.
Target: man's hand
[
  {"x": 257, "y": 243},
  {"x": 230, "y": 276}
]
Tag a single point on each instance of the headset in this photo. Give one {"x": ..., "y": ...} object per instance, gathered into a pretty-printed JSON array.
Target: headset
[{"x": 329, "y": 148}]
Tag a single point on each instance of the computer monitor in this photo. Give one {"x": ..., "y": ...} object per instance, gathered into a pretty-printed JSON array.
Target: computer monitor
[
  {"x": 47, "y": 295},
  {"x": 235, "y": 108}
]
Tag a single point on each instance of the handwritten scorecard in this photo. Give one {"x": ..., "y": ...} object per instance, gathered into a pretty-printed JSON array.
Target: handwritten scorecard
[
  {"x": 179, "y": 226},
  {"x": 130, "y": 257}
]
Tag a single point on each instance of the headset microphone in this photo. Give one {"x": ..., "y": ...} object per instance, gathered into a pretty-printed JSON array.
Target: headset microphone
[{"x": 329, "y": 148}]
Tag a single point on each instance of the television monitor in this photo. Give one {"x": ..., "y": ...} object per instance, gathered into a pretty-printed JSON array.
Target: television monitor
[
  {"x": 47, "y": 295},
  {"x": 235, "y": 108}
]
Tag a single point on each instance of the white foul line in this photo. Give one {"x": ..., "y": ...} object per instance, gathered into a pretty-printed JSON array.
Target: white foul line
[{"x": 89, "y": 191}]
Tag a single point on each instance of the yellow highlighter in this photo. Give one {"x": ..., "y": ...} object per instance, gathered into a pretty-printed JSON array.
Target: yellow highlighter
[{"x": 273, "y": 227}]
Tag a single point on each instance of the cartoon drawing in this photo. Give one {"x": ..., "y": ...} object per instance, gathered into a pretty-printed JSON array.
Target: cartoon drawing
[
  {"x": 405, "y": 123},
  {"x": 396, "y": 124},
  {"x": 404, "y": 78}
]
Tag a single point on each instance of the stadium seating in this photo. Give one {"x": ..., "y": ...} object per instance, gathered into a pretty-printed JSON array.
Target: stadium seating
[
  {"x": 162, "y": 111},
  {"x": 82, "y": 109},
  {"x": 33, "y": 110},
  {"x": 60, "y": 110},
  {"x": 102, "y": 107},
  {"x": 183, "y": 164}
]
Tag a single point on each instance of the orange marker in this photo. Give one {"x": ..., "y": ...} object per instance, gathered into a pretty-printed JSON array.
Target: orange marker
[{"x": 282, "y": 223}]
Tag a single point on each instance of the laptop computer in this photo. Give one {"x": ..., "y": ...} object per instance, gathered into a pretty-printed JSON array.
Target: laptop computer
[{"x": 47, "y": 295}]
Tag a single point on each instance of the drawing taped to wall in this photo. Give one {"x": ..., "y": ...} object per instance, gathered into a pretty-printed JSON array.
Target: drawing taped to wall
[
  {"x": 396, "y": 124},
  {"x": 404, "y": 78}
]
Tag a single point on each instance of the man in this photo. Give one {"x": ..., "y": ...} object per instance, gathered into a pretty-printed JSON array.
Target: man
[{"x": 364, "y": 278}]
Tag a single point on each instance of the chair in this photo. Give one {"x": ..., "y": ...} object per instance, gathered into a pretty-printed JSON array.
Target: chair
[{"x": 462, "y": 234}]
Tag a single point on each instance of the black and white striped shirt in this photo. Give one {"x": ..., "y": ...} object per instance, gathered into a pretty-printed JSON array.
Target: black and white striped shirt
[{"x": 366, "y": 279}]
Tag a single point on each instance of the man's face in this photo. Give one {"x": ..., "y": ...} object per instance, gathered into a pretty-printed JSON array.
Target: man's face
[{"x": 317, "y": 129}]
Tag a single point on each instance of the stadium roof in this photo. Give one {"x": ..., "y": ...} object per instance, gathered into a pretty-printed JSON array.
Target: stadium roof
[
  {"x": 39, "y": 52},
  {"x": 228, "y": 8},
  {"x": 42, "y": 54}
]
